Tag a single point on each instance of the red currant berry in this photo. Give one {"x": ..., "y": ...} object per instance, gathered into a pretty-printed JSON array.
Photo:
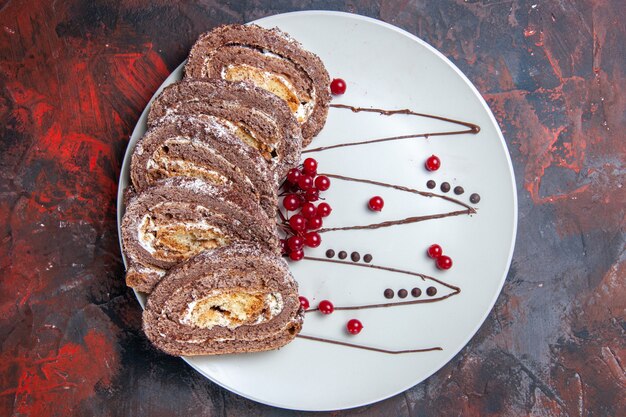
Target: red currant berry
[
  {"x": 324, "y": 209},
  {"x": 354, "y": 326},
  {"x": 376, "y": 203},
  {"x": 326, "y": 307},
  {"x": 434, "y": 251},
  {"x": 305, "y": 182},
  {"x": 322, "y": 183},
  {"x": 297, "y": 223},
  {"x": 444, "y": 262},
  {"x": 291, "y": 202},
  {"x": 338, "y": 86},
  {"x": 312, "y": 239},
  {"x": 314, "y": 223},
  {"x": 304, "y": 302},
  {"x": 433, "y": 163},
  {"x": 312, "y": 194},
  {"x": 295, "y": 243},
  {"x": 296, "y": 255},
  {"x": 309, "y": 166},
  {"x": 308, "y": 210},
  {"x": 283, "y": 247},
  {"x": 294, "y": 175}
]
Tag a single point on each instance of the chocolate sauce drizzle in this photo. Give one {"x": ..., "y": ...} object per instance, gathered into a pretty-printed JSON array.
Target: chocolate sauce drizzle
[
  {"x": 402, "y": 188},
  {"x": 373, "y": 349},
  {"x": 456, "y": 290},
  {"x": 471, "y": 128},
  {"x": 468, "y": 209}
]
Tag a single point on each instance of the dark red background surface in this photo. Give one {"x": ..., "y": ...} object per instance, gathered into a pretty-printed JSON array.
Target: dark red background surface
[{"x": 75, "y": 76}]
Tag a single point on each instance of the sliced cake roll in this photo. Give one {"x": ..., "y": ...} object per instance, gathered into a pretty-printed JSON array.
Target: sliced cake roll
[
  {"x": 200, "y": 148},
  {"x": 261, "y": 120},
  {"x": 239, "y": 298},
  {"x": 178, "y": 218},
  {"x": 271, "y": 60}
]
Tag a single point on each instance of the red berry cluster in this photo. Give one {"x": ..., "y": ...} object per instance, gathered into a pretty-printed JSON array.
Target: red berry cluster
[
  {"x": 301, "y": 189},
  {"x": 435, "y": 252},
  {"x": 353, "y": 326}
]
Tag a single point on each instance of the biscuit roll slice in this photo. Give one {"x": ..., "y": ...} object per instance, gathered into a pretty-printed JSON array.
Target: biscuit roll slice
[
  {"x": 271, "y": 60},
  {"x": 178, "y": 218},
  {"x": 234, "y": 299},
  {"x": 201, "y": 148},
  {"x": 259, "y": 119}
]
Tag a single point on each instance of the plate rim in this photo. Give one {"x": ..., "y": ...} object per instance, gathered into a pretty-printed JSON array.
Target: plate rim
[{"x": 128, "y": 153}]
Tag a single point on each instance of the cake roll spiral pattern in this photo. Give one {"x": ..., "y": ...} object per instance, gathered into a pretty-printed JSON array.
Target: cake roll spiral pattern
[
  {"x": 199, "y": 147},
  {"x": 261, "y": 120},
  {"x": 234, "y": 299},
  {"x": 178, "y": 218},
  {"x": 271, "y": 60},
  {"x": 199, "y": 232}
]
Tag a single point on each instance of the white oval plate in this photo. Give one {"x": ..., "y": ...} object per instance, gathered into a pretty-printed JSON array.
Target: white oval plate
[{"x": 384, "y": 67}]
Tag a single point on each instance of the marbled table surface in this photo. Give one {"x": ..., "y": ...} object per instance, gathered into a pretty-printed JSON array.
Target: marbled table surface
[{"x": 74, "y": 77}]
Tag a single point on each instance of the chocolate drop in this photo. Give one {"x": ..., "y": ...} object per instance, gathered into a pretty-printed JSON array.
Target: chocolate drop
[
  {"x": 367, "y": 258},
  {"x": 431, "y": 184},
  {"x": 416, "y": 292},
  {"x": 388, "y": 293},
  {"x": 355, "y": 256},
  {"x": 445, "y": 187},
  {"x": 330, "y": 253},
  {"x": 403, "y": 293},
  {"x": 458, "y": 190},
  {"x": 431, "y": 291},
  {"x": 474, "y": 198},
  {"x": 343, "y": 254}
]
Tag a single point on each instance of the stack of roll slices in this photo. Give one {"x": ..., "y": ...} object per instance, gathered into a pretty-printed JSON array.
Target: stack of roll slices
[{"x": 199, "y": 232}]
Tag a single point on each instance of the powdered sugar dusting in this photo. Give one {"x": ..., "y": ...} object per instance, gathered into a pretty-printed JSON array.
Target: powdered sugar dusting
[
  {"x": 286, "y": 37},
  {"x": 198, "y": 186},
  {"x": 150, "y": 270}
]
